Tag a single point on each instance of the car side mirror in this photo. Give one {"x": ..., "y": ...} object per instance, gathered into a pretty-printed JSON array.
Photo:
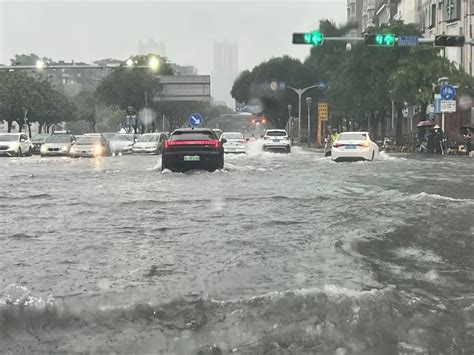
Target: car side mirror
[
  {"x": 261, "y": 136},
  {"x": 223, "y": 140},
  {"x": 247, "y": 139}
]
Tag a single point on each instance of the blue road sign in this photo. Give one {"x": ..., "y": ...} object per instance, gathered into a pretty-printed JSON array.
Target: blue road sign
[
  {"x": 408, "y": 41},
  {"x": 195, "y": 120},
  {"x": 447, "y": 92},
  {"x": 321, "y": 85}
]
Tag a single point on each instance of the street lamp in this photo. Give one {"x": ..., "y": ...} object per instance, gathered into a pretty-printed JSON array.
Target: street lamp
[
  {"x": 308, "y": 102},
  {"x": 290, "y": 123},
  {"x": 40, "y": 64},
  {"x": 154, "y": 63},
  {"x": 300, "y": 93}
]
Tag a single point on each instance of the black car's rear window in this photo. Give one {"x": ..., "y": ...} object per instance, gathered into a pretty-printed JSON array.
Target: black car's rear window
[{"x": 193, "y": 135}]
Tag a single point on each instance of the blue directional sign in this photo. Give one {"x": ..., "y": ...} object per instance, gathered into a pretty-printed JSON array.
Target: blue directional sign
[
  {"x": 195, "y": 120},
  {"x": 447, "y": 92},
  {"x": 408, "y": 41}
]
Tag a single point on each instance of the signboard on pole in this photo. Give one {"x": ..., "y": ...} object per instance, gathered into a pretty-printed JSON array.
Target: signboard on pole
[
  {"x": 447, "y": 92},
  {"x": 448, "y": 106},
  {"x": 323, "y": 111},
  {"x": 195, "y": 120},
  {"x": 408, "y": 41}
]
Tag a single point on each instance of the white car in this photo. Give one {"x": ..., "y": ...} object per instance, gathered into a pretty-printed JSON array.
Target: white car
[
  {"x": 235, "y": 142},
  {"x": 57, "y": 144},
  {"x": 15, "y": 144},
  {"x": 122, "y": 143},
  {"x": 353, "y": 146},
  {"x": 276, "y": 140},
  {"x": 149, "y": 143}
]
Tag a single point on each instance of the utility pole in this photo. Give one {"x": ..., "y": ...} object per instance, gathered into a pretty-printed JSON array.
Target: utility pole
[{"x": 308, "y": 102}]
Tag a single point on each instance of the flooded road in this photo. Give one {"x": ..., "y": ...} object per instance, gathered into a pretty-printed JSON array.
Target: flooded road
[{"x": 274, "y": 254}]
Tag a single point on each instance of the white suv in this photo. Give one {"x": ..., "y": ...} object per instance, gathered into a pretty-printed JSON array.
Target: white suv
[
  {"x": 276, "y": 140},
  {"x": 15, "y": 144}
]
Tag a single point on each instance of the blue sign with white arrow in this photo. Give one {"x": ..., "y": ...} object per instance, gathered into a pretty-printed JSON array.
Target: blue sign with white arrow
[
  {"x": 447, "y": 92},
  {"x": 195, "y": 120}
]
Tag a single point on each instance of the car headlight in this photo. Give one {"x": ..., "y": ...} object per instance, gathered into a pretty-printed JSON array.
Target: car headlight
[
  {"x": 64, "y": 149},
  {"x": 44, "y": 148},
  {"x": 98, "y": 150},
  {"x": 72, "y": 150}
]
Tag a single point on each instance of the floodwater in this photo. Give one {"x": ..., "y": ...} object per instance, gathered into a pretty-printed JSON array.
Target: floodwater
[{"x": 276, "y": 254}]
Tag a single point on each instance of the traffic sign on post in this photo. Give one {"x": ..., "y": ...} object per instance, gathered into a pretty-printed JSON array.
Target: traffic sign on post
[
  {"x": 408, "y": 41},
  {"x": 448, "y": 92},
  {"x": 448, "y": 106},
  {"x": 195, "y": 120},
  {"x": 323, "y": 111}
]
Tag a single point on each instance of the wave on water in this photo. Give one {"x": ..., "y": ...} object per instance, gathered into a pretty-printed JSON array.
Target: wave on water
[
  {"x": 424, "y": 196},
  {"x": 314, "y": 320}
]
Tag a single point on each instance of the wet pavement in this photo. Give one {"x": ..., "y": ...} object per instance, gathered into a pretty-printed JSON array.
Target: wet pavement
[{"x": 274, "y": 254}]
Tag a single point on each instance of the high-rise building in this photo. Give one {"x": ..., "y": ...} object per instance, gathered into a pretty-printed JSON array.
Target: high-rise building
[
  {"x": 225, "y": 70},
  {"x": 354, "y": 15},
  {"x": 151, "y": 46},
  {"x": 451, "y": 17}
]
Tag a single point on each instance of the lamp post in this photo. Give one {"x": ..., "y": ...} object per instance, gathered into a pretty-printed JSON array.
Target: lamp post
[
  {"x": 290, "y": 123},
  {"x": 308, "y": 102},
  {"x": 300, "y": 93}
]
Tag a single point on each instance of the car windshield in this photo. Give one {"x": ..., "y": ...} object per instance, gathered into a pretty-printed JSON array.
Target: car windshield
[
  {"x": 89, "y": 141},
  {"x": 59, "y": 138},
  {"x": 109, "y": 135},
  {"x": 193, "y": 135},
  {"x": 8, "y": 138},
  {"x": 123, "y": 138},
  {"x": 40, "y": 137},
  {"x": 352, "y": 137},
  {"x": 149, "y": 138},
  {"x": 232, "y": 136},
  {"x": 342, "y": 224},
  {"x": 276, "y": 133}
]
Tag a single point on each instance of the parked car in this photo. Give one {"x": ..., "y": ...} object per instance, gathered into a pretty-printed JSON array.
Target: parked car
[
  {"x": 37, "y": 141},
  {"x": 150, "y": 143},
  {"x": 122, "y": 143},
  {"x": 15, "y": 145},
  {"x": 90, "y": 146},
  {"x": 57, "y": 144}
]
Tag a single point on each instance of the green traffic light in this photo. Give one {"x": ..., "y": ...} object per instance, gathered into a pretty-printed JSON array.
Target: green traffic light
[
  {"x": 317, "y": 38},
  {"x": 380, "y": 39}
]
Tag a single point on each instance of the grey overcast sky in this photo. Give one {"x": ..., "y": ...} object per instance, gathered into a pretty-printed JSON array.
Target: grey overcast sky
[{"x": 91, "y": 30}]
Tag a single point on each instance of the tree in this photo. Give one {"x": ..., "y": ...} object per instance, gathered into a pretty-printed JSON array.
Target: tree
[
  {"x": 256, "y": 85},
  {"x": 133, "y": 86}
]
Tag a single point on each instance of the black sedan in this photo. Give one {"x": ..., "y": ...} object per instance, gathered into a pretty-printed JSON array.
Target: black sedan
[{"x": 189, "y": 149}]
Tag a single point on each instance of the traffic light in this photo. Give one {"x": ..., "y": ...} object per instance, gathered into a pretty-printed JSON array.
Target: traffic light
[
  {"x": 449, "y": 41},
  {"x": 315, "y": 38},
  {"x": 379, "y": 39}
]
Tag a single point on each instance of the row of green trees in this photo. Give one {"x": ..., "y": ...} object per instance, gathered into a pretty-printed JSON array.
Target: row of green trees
[
  {"x": 361, "y": 82},
  {"x": 24, "y": 96}
]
